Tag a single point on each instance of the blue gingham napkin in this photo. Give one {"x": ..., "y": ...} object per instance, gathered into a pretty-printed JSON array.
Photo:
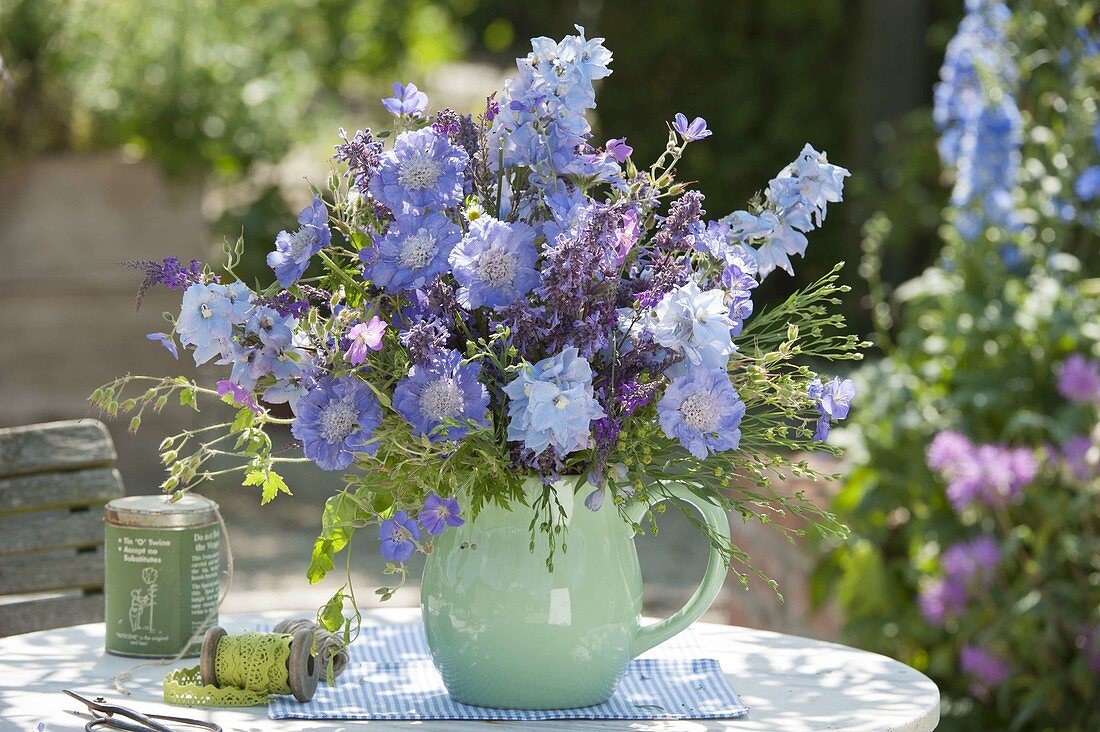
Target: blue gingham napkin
[{"x": 390, "y": 676}]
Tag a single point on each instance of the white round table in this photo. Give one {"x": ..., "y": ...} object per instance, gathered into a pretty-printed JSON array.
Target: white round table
[{"x": 788, "y": 683}]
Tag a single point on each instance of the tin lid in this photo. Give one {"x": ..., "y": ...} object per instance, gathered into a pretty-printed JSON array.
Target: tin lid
[{"x": 160, "y": 512}]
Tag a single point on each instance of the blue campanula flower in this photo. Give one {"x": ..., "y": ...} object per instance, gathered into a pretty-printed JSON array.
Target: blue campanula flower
[
  {"x": 696, "y": 324},
  {"x": 443, "y": 389},
  {"x": 335, "y": 421},
  {"x": 703, "y": 411},
  {"x": 412, "y": 253},
  {"x": 551, "y": 404},
  {"x": 494, "y": 263},
  {"x": 407, "y": 100},
  {"x": 423, "y": 170},
  {"x": 439, "y": 513},
  {"x": 695, "y": 130},
  {"x": 206, "y": 320},
  {"x": 832, "y": 401},
  {"x": 294, "y": 250},
  {"x": 398, "y": 536}
]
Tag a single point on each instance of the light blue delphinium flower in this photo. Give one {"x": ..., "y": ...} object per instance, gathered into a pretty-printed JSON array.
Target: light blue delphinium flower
[
  {"x": 423, "y": 170},
  {"x": 832, "y": 401},
  {"x": 442, "y": 389},
  {"x": 294, "y": 250},
  {"x": 551, "y": 404},
  {"x": 206, "y": 320},
  {"x": 407, "y": 100},
  {"x": 413, "y": 251},
  {"x": 439, "y": 513},
  {"x": 398, "y": 536},
  {"x": 165, "y": 339},
  {"x": 494, "y": 263},
  {"x": 703, "y": 411},
  {"x": 810, "y": 182},
  {"x": 335, "y": 421},
  {"x": 696, "y": 324}
]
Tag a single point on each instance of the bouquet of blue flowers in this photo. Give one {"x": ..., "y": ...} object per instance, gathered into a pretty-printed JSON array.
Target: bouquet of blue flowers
[{"x": 492, "y": 297}]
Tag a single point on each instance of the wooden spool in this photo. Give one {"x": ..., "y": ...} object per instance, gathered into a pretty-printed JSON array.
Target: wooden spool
[{"x": 303, "y": 671}]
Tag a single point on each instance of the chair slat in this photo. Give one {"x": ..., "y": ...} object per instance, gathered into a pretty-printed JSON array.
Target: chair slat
[
  {"x": 54, "y": 612},
  {"x": 42, "y": 573},
  {"x": 50, "y": 531},
  {"x": 59, "y": 490},
  {"x": 68, "y": 445}
]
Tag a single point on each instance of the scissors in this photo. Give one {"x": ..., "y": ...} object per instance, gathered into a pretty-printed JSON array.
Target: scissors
[{"x": 107, "y": 716}]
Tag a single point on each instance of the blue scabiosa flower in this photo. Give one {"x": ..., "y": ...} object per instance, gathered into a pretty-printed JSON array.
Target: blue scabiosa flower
[
  {"x": 695, "y": 324},
  {"x": 443, "y": 389},
  {"x": 832, "y": 401},
  {"x": 206, "y": 320},
  {"x": 412, "y": 253},
  {"x": 398, "y": 536},
  {"x": 703, "y": 411},
  {"x": 494, "y": 263},
  {"x": 407, "y": 100},
  {"x": 423, "y": 170},
  {"x": 439, "y": 513},
  {"x": 695, "y": 130},
  {"x": 293, "y": 251},
  {"x": 551, "y": 404},
  {"x": 335, "y": 421}
]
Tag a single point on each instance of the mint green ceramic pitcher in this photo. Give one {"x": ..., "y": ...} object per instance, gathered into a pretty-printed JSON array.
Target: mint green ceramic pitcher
[{"x": 506, "y": 632}]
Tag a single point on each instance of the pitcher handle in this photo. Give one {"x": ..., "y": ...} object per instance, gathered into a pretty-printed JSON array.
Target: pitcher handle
[{"x": 718, "y": 522}]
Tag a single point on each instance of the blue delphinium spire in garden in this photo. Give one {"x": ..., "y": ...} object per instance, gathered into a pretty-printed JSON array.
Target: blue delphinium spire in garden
[{"x": 980, "y": 124}]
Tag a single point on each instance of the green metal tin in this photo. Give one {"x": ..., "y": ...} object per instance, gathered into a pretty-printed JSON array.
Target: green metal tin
[{"x": 163, "y": 560}]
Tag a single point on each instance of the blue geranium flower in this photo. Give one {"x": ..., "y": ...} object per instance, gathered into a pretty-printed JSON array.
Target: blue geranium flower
[
  {"x": 442, "y": 389},
  {"x": 293, "y": 251},
  {"x": 398, "y": 536},
  {"x": 407, "y": 100},
  {"x": 494, "y": 263},
  {"x": 703, "y": 411},
  {"x": 551, "y": 404},
  {"x": 832, "y": 402},
  {"x": 335, "y": 421},
  {"x": 696, "y": 130},
  {"x": 423, "y": 170},
  {"x": 413, "y": 251},
  {"x": 439, "y": 513},
  {"x": 695, "y": 324}
]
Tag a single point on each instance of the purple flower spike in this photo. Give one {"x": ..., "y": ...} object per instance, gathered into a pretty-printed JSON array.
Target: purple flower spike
[
  {"x": 439, "y": 513},
  {"x": 697, "y": 130},
  {"x": 407, "y": 101},
  {"x": 987, "y": 670},
  {"x": 398, "y": 536}
]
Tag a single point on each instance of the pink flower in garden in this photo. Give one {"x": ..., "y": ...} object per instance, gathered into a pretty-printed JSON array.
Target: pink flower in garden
[
  {"x": 618, "y": 149},
  {"x": 1079, "y": 379},
  {"x": 241, "y": 396},
  {"x": 364, "y": 337},
  {"x": 627, "y": 236}
]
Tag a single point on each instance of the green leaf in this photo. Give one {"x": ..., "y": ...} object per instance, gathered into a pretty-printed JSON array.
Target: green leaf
[
  {"x": 271, "y": 481},
  {"x": 331, "y": 616},
  {"x": 243, "y": 420},
  {"x": 187, "y": 398}
]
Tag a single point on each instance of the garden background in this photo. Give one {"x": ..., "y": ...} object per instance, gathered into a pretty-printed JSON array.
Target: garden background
[{"x": 131, "y": 130}]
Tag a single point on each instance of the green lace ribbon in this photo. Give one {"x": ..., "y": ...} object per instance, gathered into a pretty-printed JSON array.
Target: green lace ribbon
[{"x": 249, "y": 669}]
